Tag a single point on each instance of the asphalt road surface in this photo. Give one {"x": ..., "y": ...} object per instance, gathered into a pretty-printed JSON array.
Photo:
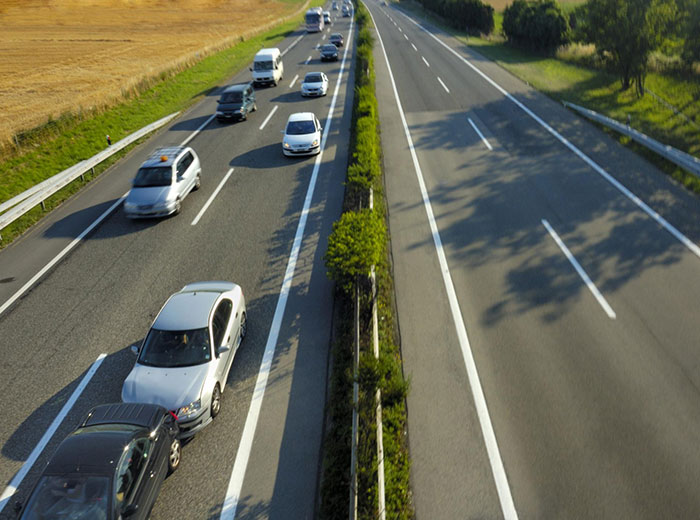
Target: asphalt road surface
[
  {"x": 266, "y": 215},
  {"x": 548, "y": 288}
]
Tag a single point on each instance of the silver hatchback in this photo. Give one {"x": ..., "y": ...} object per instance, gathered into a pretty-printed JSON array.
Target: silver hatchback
[
  {"x": 162, "y": 182},
  {"x": 184, "y": 361}
]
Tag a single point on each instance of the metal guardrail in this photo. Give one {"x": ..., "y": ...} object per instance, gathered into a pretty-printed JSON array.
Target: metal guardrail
[
  {"x": 19, "y": 205},
  {"x": 682, "y": 159}
]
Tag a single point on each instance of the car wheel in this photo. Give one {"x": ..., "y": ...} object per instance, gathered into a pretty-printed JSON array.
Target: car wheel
[
  {"x": 215, "y": 401},
  {"x": 244, "y": 326},
  {"x": 178, "y": 207},
  {"x": 174, "y": 456},
  {"x": 255, "y": 107},
  {"x": 198, "y": 182}
]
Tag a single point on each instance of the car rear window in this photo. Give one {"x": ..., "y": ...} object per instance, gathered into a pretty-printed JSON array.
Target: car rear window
[{"x": 69, "y": 496}]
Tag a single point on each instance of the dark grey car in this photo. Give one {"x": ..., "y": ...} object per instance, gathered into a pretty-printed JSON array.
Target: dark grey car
[
  {"x": 329, "y": 52},
  {"x": 236, "y": 102}
]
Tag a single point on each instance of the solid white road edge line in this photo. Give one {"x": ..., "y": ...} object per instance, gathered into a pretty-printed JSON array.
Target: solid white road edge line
[
  {"x": 488, "y": 145},
  {"x": 11, "y": 489},
  {"x": 294, "y": 81},
  {"x": 233, "y": 492},
  {"x": 274, "y": 109},
  {"x": 499, "y": 472},
  {"x": 212, "y": 197},
  {"x": 60, "y": 255},
  {"x": 599, "y": 169},
  {"x": 591, "y": 286},
  {"x": 201, "y": 127},
  {"x": 425, "y": 61},
  {"x": 443, "y": 85}
]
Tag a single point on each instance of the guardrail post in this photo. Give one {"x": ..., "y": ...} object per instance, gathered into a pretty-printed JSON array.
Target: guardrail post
[{"x": 43, "y": 206}]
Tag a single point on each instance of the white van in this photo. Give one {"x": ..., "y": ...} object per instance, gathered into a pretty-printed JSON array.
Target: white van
[{"x": 267, "y": 67}]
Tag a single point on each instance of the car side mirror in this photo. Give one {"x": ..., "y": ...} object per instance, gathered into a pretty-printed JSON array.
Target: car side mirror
[
  {"x": 129, "y": 510},
  {"x": 223, "y": 349},
  {"x": 135, "y": 349}
]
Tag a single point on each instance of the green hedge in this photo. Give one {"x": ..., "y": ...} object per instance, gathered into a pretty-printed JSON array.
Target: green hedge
[{"x": 359, "y": 240}]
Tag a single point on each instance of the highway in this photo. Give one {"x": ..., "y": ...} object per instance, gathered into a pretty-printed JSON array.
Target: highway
[
  {"x": 547, "y": 283},
  {"x": 72, "y": 302}
]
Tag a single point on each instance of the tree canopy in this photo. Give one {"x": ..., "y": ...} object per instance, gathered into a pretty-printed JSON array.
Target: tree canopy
[{"x": 627, "y": 31}]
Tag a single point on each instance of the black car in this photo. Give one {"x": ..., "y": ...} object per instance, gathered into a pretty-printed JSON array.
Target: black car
[
  {"x": 236, "y": 102},
  {"x": 111, "y": 467},
  {"x": 329, "y": 52},
  {"x": 336, "y": 39}
]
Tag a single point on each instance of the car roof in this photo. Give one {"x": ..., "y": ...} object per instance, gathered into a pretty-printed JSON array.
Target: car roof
[
  {"x": 302, "y": 116},
  {"x": 265, "y": 52},
  {"x": 186, "y": 310},
  {"x": 135, "y": 414},
  {"x": 164, "y": 156},
  {"x": 238, "y": 87},
  {"x": 336, "y": 35},
  {"x": 90, "y": 451}
]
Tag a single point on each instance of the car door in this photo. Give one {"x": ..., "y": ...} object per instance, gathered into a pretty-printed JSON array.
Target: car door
[
  {"x": 184, "y": 175},
  {"x": 221, "y": 334}
]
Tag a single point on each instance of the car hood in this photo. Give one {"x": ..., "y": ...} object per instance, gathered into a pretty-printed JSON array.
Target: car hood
[
  {"x": 168, "y": 387},
  {"x": 230, "y": 106},
  {"x": 149, "y": 195},
  {"x": 318, "y": 84},
  {"x": 305, "y": 139},
  {"x": 329, "y": 51}
]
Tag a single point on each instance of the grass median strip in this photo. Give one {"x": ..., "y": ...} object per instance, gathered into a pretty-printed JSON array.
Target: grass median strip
[{"x": 360, "y": 239}]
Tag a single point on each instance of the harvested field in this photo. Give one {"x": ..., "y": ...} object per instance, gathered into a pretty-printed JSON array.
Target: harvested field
[{"x": 63, "y": 56}]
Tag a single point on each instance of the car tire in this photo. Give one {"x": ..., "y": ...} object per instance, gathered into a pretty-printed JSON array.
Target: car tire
[
  {"x": 244, "y": 326},
  {"x": 174, "y": 455},
  {"x": 197, "y": 182},
  {"x": 215, "y": 407},
  {"x": 255, "y": 107}
]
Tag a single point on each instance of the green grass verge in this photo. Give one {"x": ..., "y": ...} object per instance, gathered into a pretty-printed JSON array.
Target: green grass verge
[
  {"x": 569, "y": 76},
  {"x": 61, "y": 143},
  {"x": 385, "y": 373}
]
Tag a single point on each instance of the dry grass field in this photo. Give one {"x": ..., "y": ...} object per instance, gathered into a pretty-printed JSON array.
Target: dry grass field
[
  {"x": 62, "y": 56},
  {"x": 500, "y": 5}
]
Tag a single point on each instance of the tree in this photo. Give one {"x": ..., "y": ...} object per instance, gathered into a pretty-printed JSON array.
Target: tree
[
  {"x": 354, "y": 246},
  {"x": 538, "y": 24},
  {"x": 628, "y": 31},
  {"x": 691, "y": 47}
]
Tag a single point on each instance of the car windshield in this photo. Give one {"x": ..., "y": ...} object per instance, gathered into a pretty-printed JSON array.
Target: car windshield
[
  {"x": 300, "y": 127},
  {"x": 329, "y": 47},
  {"x": 263, "y": 65},
  {"x": 231, "y": 97},
  {"x": 336, "y": 37},
  {"x": 313, "y": 78},
  {"x": 153, "y": 176},
  {"x": 182, "y": 348},
  {"x": 76, "y": 496}
]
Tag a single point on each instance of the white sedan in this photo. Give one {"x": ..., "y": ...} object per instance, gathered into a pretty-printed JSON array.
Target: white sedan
[
  {"x": 314, "y": 84},
  {"x": 302, "y": 135}
]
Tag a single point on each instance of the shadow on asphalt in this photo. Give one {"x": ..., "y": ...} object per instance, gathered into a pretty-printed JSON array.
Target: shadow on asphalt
[
  {"x": 270, "y": 157},
  {"x": 493, "y": 190}
]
